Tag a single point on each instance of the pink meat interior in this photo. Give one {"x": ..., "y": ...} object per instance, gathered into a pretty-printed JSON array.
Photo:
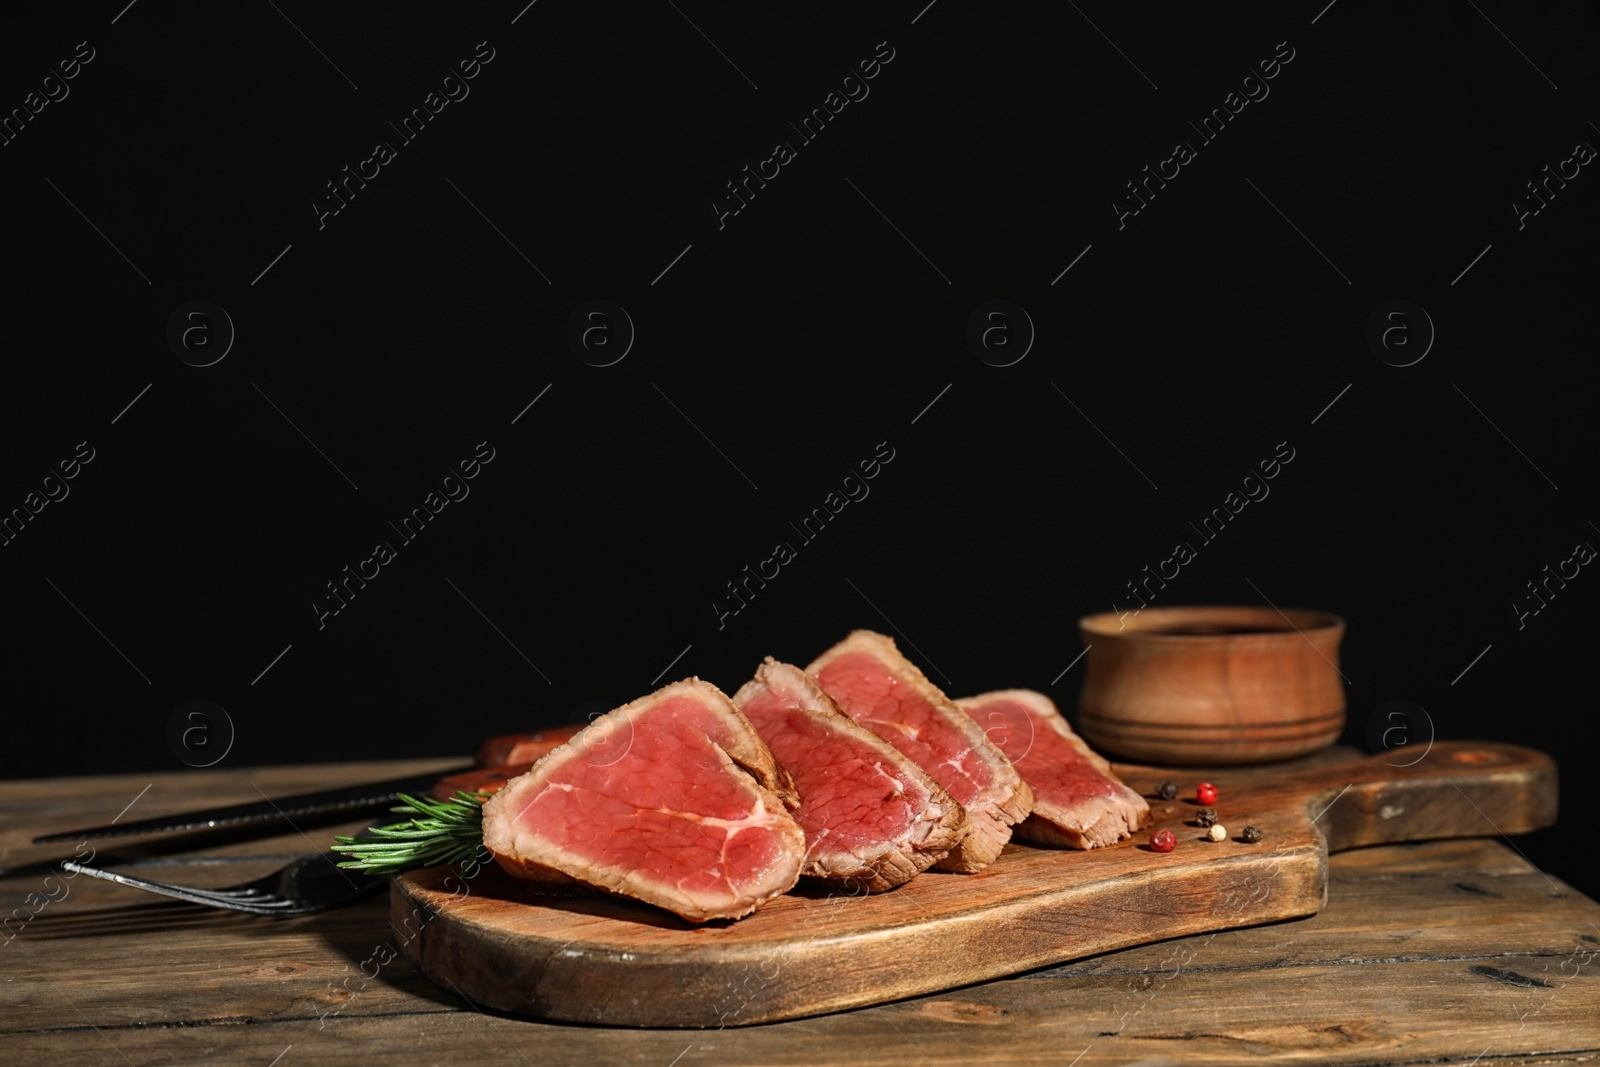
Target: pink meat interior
[
  {"x": 874, "y": 696},
  {"x": 657, "y": 797},
  {"x": 1053, "y": 766},
  {"x": 848, "y": 799}
]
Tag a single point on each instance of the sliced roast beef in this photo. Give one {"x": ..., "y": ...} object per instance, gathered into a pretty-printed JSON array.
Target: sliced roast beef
[
  {"x": 486, "y": 780},
  {"x": 879, "y": 688},
  {"x": 512, "y": 749},
  {"x": 1079, "y": 802},
  {"x": 673, "y": 800},
  {"x": 871, "y": 816}
]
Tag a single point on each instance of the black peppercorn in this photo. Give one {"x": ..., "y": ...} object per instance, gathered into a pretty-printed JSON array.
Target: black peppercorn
[
  {"x": 1250, "y": 835},
  {"x": 1206, "y": 816},
  {"x": 1167, "y": 790}
]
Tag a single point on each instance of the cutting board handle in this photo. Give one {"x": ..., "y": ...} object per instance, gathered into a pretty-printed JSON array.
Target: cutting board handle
[{"x": 1452, "y": 789}]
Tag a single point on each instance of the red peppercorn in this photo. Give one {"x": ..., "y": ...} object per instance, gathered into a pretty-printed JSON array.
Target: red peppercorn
[
  {"x": 1206, "y": 793},
  {"x": 1163, "y": 841}
]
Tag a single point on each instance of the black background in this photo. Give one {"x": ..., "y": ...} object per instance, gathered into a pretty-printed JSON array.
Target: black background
[{"x": 823, "y": 319}]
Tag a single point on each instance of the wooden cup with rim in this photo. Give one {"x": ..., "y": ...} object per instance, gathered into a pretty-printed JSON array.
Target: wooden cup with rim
[{"x": 1211, "y": 685}]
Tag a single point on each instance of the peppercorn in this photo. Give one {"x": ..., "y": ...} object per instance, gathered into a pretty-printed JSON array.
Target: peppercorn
[
  {"x": 1163, "y": 841},
  {"x": 1167, "y": 790},
  {"x": 1206, "y": 816},
  {"x": 1218, "y": 832},
  {"x": 1250, "y": 835},
  {"x": 1205, "y": 793}
]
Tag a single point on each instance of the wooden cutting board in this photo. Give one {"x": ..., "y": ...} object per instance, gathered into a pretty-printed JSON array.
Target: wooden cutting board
[{"x": 610, "y": 961}]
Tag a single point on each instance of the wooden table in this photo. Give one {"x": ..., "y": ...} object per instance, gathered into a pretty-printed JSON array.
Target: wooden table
[{"x": 1450, "y": 952}]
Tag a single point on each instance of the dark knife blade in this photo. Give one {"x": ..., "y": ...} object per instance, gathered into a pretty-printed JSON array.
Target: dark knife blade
[{"x": 282, "y": 811}]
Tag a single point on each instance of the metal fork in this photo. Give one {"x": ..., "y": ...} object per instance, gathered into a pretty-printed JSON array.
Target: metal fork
[{"x": 305, "y": 887}]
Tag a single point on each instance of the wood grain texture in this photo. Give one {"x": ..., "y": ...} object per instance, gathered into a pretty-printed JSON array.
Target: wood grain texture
[
  {"x": 599, "y": 959},
  {"x": 1418, "y": 957}
]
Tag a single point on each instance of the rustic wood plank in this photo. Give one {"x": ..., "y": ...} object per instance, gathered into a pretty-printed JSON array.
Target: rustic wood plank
[
  {"x": 1394, "y": 1014},
  {"x": 1322, "y": 988},
  {"x": 311, "y": 968},
  {"x": 1400, "y": 860},
  {"x": 47, "y": 805},
  {"x": 202, "y": 859}
]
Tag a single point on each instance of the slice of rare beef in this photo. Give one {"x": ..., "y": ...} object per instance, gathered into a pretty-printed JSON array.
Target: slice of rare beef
[
  {"x": 672, "y": 799},
  {"x": 1079, "y": 802},
  {"x": 512, "y": 749},
  {"x": 871, "y": 816},
  {"x": 882, "y": 690}
]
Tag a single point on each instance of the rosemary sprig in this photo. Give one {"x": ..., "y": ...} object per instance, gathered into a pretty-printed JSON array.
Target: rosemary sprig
[{"x": 448, "y": 831}]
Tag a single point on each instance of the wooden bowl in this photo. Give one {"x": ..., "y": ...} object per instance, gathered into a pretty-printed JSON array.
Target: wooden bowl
[{"x": 1212, "y": 685}]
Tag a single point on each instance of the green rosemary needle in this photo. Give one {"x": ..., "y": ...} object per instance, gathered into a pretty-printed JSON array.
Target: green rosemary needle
[{"x": 444, "y": 831}]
